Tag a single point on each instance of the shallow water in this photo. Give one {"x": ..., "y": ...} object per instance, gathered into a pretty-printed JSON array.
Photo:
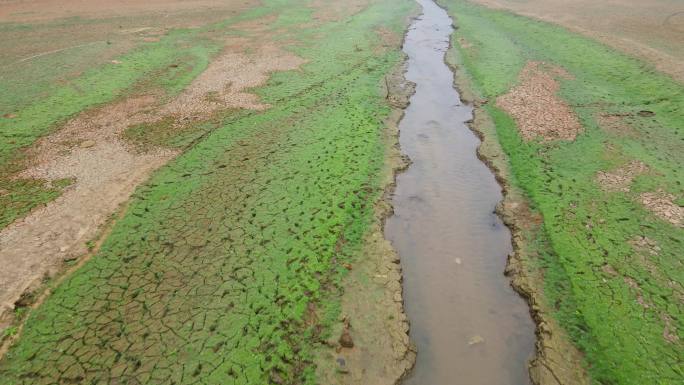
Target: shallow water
[{"x": 469, "y": 325}]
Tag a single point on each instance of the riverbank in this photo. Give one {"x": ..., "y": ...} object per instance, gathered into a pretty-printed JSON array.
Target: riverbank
[
  {"x": 585, "y": 140},
  {"x": 229, "y": 264}
]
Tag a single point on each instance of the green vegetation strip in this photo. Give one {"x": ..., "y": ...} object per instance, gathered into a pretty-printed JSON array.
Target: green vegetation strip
[
  {"x": 226, "y": 267},
  {"x": 621, "y": 304}
]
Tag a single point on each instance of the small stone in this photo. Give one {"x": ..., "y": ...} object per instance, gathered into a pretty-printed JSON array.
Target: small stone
[
  {"x": 116, "y": 62},
  {"x": 346, "y": 340},
  {"x": 397, "y": 297},
  {"x": 457, "y": 261},
  {"x": 87, "y": 143},
  {"x": 347, "y": 266},
  {"x": 342, "y": 365},
  {"x": 476, "y": 339}
]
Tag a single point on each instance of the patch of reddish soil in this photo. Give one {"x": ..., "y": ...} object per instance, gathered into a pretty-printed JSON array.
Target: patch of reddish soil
[
  {"x": 651, "y": 30},
  {"x": 537, "y": 110}
]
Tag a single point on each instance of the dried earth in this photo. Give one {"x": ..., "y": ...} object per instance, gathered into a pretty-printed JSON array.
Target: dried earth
[{"x": 537, "y": 110}]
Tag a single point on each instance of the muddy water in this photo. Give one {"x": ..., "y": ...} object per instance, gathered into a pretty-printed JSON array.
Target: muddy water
[{"x": 468, "y": 324}]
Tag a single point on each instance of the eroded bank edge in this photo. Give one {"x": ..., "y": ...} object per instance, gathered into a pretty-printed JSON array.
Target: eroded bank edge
[
  {"x": 372, "y": 304},
  {"x": 557, "y": 360}
]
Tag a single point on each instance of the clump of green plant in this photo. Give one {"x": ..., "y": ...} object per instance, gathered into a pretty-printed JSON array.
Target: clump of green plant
[
  {"x": 10, "y": 331},
  {"x": 612, "y": 268}
]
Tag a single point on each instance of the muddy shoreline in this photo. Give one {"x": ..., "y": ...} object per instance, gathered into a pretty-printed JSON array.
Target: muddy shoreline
[
  {"x": 452, "y": 246},
  {"x": 557, "y": 360}
]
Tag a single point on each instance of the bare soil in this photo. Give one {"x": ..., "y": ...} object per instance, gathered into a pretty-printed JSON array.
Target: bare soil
[
  {"x": 538, "y": 112},
  {"x": 621, "y": 178},
  {"x": 663, "y": 206},
  {"x": 651, "y": 30}
]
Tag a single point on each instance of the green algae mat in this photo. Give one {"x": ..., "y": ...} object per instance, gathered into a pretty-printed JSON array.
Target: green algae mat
[
  {"x": 611, "y": 200},
  {"x": 226, "y": 267}
]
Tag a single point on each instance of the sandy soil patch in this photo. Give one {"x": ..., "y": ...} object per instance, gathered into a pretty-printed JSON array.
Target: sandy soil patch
[
  {"x": 246, "y": 71},
  {"x": 537, "y": 110},
  {"x": 107, "y": 170},
  {"x": 651, "y": 30},
  {"x": 616, "y": 124},
  {"x": 662, "y": 205},
  {"x": 621, "y": 178}
]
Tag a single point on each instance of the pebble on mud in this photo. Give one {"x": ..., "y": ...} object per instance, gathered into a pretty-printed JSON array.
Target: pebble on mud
[
  {"x": 346, "y": 340},
  {"x": 87, "y": 143},
  {"x": 476, "y": 339},
  {"x": 342, "y": 365}
]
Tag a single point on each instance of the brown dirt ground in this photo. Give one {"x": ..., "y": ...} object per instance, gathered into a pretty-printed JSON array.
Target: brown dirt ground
[
  {"x": 538, "y": 112},
  {"x": 662, "y": 205},
  {"x": 652, "y": 30},
  {"x": 621, "y": 178},
  {"x": 107, "y": 170}
]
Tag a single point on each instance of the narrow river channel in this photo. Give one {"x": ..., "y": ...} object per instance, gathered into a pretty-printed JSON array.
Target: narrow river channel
[{"x": 470, "y": 327}]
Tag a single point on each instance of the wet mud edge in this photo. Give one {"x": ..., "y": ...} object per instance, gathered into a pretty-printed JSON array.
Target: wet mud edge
[
  {"x": 384, "y": 353},
  {"x": 557, "y": 361}
]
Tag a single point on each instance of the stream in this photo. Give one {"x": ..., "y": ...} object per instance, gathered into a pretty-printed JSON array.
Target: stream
[{"x": 468, "y": 324}]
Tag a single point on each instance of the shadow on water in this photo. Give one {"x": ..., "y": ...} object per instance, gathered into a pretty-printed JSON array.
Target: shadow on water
[{"x": 469, "y": 325}]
